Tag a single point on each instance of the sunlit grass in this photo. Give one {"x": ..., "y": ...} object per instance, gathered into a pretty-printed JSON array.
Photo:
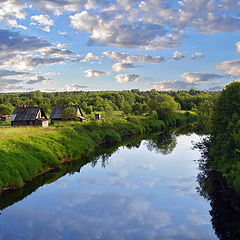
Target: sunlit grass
[{"x": 14, "y": 132}]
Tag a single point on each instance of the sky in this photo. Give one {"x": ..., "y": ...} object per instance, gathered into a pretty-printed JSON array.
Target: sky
[{"x": 75, "y": 45}]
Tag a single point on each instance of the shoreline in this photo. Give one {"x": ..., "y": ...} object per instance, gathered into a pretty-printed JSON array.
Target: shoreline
[{"x": 41, "y": 153}]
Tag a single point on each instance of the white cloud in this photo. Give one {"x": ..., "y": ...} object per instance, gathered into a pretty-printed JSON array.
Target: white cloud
[
  {"x": 13, "y": 42},
  {"x": 90, "y": 57},
  {"x": 232, "y": 67},
  {"x": 62, "y": 33},
  {"x": 94, "y": 73},
  {"x": 21, "y": 52},
  {"x": 74, "y": 87},
  {"x": 118, "y": 67},
  {"x": 63, "y": 6},
  {"x": 37, "y": 79},
  {"x": 43, "y": 21},
  {"x": 126, "y": 58},
  {"x": 123, "y": 78},
  {"x": 55, "y": 52},
  {"x": 197, "y": 55},
  {"x": 237, "y": 44},
  {"x": 177, "y": 56},
  {"x": 8, "y": 84},
  {"x": 7, "y": 73},
  {"x": 172, "y": 85},
  {"x": 10, "y": 11},
  {"x": 200, "y": 77},
  {"x": 111, "y": 29}
]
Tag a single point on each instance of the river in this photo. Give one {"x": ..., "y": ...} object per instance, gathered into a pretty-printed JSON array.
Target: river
[{"x": 146, "y": 191}]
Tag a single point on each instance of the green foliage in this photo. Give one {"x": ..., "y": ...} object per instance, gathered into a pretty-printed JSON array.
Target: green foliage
[
  {"x": 225, "y": 134},
  {"x": 166, "y": 107},
  {"x": 6, "y": 109},
  {"x": 112, "y": 136},
  {"x": 205, "y": 114},
  {"x": 69, "y": 113},
  {"x": 28, "y": 151}
]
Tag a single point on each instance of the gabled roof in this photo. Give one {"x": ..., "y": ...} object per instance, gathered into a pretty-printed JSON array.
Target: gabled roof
[
  {"x": 58, "y": 110},
  {"x": 26, "y": 113}
]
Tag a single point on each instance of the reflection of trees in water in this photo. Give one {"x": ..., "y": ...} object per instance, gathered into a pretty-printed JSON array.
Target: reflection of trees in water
[
  {"x": 224, "y": 201},
  {"x": 163, "y": 143}
]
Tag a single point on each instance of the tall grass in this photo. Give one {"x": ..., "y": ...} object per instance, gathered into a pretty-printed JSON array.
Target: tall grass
[{"x": 13, "y": 132}]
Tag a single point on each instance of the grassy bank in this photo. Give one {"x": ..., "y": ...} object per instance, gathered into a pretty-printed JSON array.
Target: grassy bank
[{"x": 27, "y": 152}]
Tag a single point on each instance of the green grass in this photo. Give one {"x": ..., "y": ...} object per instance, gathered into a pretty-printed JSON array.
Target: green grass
[
  {"x": 28, "y": 151},
  {"x": 14, "y": 132}
]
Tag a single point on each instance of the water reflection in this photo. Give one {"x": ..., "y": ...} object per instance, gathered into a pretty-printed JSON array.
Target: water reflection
[
  {"x": 131, "y": 193},
  {"x": 224, "y": 201},
  {"x": 162, "y": 143}
]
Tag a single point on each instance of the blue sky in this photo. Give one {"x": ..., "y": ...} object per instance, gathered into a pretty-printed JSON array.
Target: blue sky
[{"x": 69, "y": 45}]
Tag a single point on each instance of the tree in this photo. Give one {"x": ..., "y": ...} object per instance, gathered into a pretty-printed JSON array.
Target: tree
[
  {"x": 69, "y": 113},
  {"x": 225, "y": 133},
  {"x": 166, "y": 107},
  {"x": 6, "y": 109}
]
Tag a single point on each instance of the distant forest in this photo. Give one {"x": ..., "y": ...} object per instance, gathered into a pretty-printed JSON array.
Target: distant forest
[{"x": 132, "y": 102}]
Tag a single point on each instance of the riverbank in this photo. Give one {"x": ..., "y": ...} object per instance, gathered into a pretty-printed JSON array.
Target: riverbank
[{"x": 28, "y": 152}]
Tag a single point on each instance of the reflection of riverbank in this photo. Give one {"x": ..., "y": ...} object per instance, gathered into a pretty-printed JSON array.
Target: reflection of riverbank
[
  {"x": 162, "y": 143},
  {"x": 224, "y": 201},
  {"x": 133, "y": 193}
]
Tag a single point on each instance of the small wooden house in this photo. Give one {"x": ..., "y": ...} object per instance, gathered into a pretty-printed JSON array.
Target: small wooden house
[
  {"x": 29, "y": 116},
  {"x": 97, "y": 116},
  {"x": 57, "y": 112}
]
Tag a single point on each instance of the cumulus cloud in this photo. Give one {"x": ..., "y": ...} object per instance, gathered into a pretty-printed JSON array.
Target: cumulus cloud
[
  {"x": 197, "y": 55},
  {"x": 237, "y": 44},
  {"x": 118, "y": 67},
  {"x": 62, "y": 33},
  {"x": 192, "y": 80},
  {"x": 154, "y": 24},
  {"x": 59, "y": 7},
  {"x": 111, "y": 29},
  {"x": 177, "y": 56},
  {"x": 200, "y": 77},
  {"x": 54, "y": 52},
  {"x": 126, "y": 58},
  {"x": 90, "y": 57},
  {"x": 37, "y": 79},
  {"x": 172, "y": 85},
  {"x": 21, "y": 52},
  {"x": 7, "y": 73},
  {"x": 8, "y": 84},
  {"x": 13, "y": 42},
  {"x": 10, "y": 10},
  {"x": 94, "y": 73},
  {"x": 29, "y": 62},
  {"x": 74, "y": 87},
  {"x": 231, "y": 67},
  {"x": 130, "y": 23},
  {"x": 123, "y": 78},
  {"x": 42, "y": 21}
]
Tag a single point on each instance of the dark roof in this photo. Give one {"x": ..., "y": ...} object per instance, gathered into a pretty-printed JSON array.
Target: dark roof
[
  {"x": 58, "y": 110},
  {"x": 26, "y": 113}
]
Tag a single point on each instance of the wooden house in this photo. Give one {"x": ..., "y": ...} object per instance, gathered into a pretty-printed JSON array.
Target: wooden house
[
  {"x": 57, "y": 112},
  {"x": 29, "y": 116},
  {"x": 97, "y": 116}
]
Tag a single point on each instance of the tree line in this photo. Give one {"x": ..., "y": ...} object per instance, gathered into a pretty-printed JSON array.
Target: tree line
[{"x": 130, "y": 102}]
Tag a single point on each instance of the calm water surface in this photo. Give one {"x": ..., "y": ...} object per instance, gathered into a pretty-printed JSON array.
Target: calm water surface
[{"x": 139, "y": 193}]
